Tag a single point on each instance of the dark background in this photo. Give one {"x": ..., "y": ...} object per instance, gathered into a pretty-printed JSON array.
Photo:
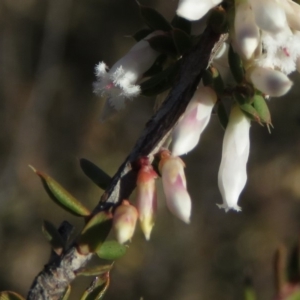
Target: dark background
[{"x": 49, "y": 118}]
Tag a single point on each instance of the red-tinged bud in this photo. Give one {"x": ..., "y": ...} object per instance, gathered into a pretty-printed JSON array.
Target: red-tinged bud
[
  {"x": 146, "y": 198},
  {"x": 124, "y": 220},
  {"x": 174, "y": 184}
]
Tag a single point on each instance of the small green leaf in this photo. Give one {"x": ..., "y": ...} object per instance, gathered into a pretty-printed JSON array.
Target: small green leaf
[
  {"x": 8, "y": 295},
  {"x": 250, "y": 112},
  {"x": 53, "y": 236},
  {"x": 262, "y": 108},
  {"x": 111, "y": 250},
  {"x": 67, "y": 293},
  {"x": 141, "y": 34},
  {"x": 182, "y": 24},
  {"x": 62, "y": 197},
  {"x": 181, "y": 40},
  {"x": 154, "y": 19},
  {"x": 236, "y": 65},
  {"x": 160, "y": 82},
  {"x": 95, "y": 232},
  {"x": 97, "y": 289},
  {"x": 212, "y": 77},
  {"x": 222, "y": 115},
  {"x": 97, "y": 175},
  {"x": 93, "y": 271}
]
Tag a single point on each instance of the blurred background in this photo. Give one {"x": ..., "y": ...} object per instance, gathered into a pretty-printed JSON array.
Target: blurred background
[{"x": 49, "y": 118}]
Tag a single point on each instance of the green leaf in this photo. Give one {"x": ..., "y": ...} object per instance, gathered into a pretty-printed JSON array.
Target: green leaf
[
  {"x": 8, "y": 295},
  {"x": 111, "y": 250},
  {"x": 211, "y": 77},
  {"x": 141, "y": 34},
  {"x": 154, "y": 19},
  {"x": 181, "y": 40},
  {"x": 181, "y": 23},
  {"x": 222, "y": 115},
  {"x": 62, "y": 197},
  {"x": 67, "y": 293},
  {"x": 97, "y": 175},
  {"x": 250, "y": 112},
  {"x": 97, "y": 289},
  {"x": 53, "y": 236},
  {"x": 160, "y": 82},
  {"x": 93, "y": 271},
  {"x": 236, "y": 65},
  {"x": 262, "y": 108},
  {"x": 95, "y": 232}
]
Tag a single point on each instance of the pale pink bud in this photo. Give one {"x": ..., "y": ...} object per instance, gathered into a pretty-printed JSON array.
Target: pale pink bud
[
  {"x": 246, "y": 31},
  {"x": 146, "y": 198},
  {"x": 195, "y": 9},
  {"x": 271, "y": 82},
  {"x": 124, "y": 221},
  {"x": 232, "y": 175},
  {"x": 174, "y": 184},
  {"x": 269, "y": 15},
  {"x": 186, "y": 133}
]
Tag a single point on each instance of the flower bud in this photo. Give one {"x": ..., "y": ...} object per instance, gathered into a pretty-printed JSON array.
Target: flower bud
[
  {"x": 124, "y": 221},
  {"x": 174, "y": 184},
  {"x": 270, "y": 82},
  {"x": 146, "y": 198},
  {"x": 232, "y": 175},
  {"x": 246, "y": 31},
  {"x": 194, "y": 9},
  {"x": 186, "y": 133}
]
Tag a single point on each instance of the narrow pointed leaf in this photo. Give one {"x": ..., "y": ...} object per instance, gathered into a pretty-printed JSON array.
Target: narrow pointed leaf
[
  {"x": 250, "y": 112},
  {"x": 67, "y": 293},
  {"x": 97, "y": 175},
  {"x": 95, "y": 232},
  {"x": 62, "y": 197},
  {"x": 154, "y": 19},
  {"x": 236, "y": 65},
  {"x": 141, "y": 34},
  {"x": 222, "y": 115},
  {"x": 8, "y": 295},
  {"x": 262, "y": 109},
  {"x": 182, "y": 24},
  {"x": 111, "y": 250},
  {"x": 53, "y": 236},
  {"x": 97, "y": 289},
  {"x": 93, "y": 271}
]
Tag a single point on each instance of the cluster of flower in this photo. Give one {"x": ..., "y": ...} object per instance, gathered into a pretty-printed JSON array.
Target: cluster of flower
[{"x": 266, "y": 37}]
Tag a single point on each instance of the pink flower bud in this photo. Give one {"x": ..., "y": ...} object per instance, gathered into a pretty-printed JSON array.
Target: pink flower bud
[
  {"x": 186, "y": 133},
  {"x": 232, "y": 175},
  {"x": 174, "y": 185},
  {"x": 245, "y": 30},
  {"x": 270, "y": 82},
  {"x": 124, "y": 221},
  {"x": 195, "y": 9},
  {"x": 146, "y": 198}
]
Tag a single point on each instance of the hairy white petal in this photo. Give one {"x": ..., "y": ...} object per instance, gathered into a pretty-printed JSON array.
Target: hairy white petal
[
  {"x": 246, "y": 31},
  {"x": 195, "y": 9},
  {"x": 232, "y": 175},
  {"x": 187, "y": 132},
  {"x": 270, "y": 82}
]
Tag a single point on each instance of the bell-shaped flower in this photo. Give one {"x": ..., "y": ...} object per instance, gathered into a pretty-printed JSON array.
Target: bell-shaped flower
[
  {"x": 119, "y": 83},
  {"x": 292, "y": 11},
  {"x": 232, "y": 175},
  {"x": 146, "y": 198},
  {"x": 271, "y": 82},
  {"x": 124, "y": 221},
  {"x": 174, "y": 184},
  {"x": 195, "y": 9},
  {"x": 246, "y": 32},
  {"x": 186, "y": 133},
  {"x": 269, "y": 15}
]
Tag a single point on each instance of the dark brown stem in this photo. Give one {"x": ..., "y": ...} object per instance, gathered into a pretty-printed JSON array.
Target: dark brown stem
[{"x": 53, "y": 280}]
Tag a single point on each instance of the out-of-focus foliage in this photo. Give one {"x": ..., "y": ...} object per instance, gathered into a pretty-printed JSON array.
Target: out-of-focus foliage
[{"x": 49, "y": 118}]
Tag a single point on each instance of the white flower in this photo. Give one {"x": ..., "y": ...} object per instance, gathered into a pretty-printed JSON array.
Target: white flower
[
  {"x": 292, "y": 11},
  {"x": 174, "y": 184},
  {"x": 246, "y": 32},
  {"x": 271, "y": 82},
  {"x": 232, "y": 175},
  {"x": 195, "y": 9},
  {"x": 119, "y": 83},
  {"x": 186, "y": 133}
]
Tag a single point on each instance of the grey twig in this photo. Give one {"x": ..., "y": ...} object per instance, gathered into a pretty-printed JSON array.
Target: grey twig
[{"x": 54, "y": 279}]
